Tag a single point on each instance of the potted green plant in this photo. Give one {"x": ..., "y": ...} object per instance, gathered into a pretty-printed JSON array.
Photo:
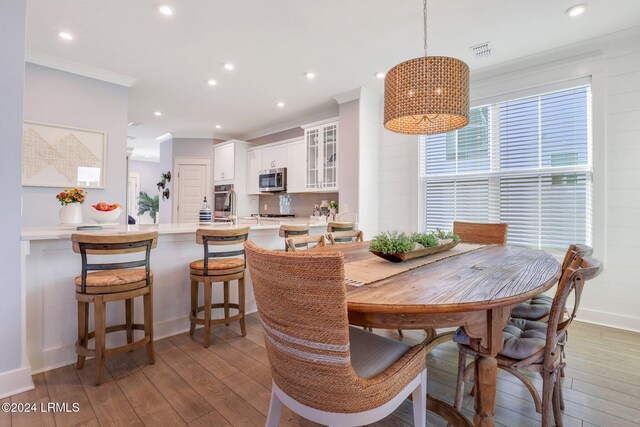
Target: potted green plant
[
  {"x": 397, "y": 246},
  {"x": 148, "y": 204},
  {"x": 333, "y": 207}
]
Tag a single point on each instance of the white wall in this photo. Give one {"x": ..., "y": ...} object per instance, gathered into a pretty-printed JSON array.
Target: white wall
[
  {"x": 150, "y": 173},
  {"x": 348, "y": 156},
  {"x": 613, "y": 63},
  {"x": 369, "y": 162},
  {"x": 166, "y": 164},
  {"x": 15, "y": 373},
  {"x": 58, "y": 97}
]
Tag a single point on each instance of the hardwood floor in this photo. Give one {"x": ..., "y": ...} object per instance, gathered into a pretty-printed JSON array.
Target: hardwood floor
[{"x": 229, "y": 383}]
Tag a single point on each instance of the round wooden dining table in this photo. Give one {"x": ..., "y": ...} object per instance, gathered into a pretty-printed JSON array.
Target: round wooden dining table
[{"x": 473, "y": 290}]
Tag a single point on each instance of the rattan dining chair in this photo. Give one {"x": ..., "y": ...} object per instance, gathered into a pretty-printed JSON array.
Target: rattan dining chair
[
  {"x": 322, "y": 369},
  {"x": 536, "y": 346},
  {"x": 352, "y": 236},
  {"x": 303, "y": 242},
  {"x": 477, "y": 232}
]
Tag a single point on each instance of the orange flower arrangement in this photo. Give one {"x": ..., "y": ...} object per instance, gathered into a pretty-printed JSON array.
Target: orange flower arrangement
[{"x": 71, "y": 195}]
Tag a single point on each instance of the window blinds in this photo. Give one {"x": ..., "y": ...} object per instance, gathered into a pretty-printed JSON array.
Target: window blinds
[{"x": 526, "y": 162}]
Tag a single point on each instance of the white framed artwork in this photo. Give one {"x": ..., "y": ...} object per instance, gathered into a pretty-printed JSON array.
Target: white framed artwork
[{"x": 62, "y": 156}]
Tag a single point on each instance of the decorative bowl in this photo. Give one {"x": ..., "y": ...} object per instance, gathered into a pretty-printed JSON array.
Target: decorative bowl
[{"x": 103, "y": 217}]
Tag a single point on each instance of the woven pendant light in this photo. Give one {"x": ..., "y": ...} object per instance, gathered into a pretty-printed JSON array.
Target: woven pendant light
[{"x": 427, "y": 95}]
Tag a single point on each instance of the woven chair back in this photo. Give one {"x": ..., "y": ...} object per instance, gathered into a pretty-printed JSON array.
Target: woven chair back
[
  {"x": 301, "y": 300},
  {"x": 475, "y": 232},
  {"x": 580, "y": 270}
]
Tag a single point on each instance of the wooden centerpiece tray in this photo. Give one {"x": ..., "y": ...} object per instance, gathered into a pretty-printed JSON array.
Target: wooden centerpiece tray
[{"x": 417, "y": 253}]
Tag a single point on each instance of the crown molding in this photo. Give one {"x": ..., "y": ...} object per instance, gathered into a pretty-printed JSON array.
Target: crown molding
[
  {"x": 68, "y": 66},
  {"x": 348, "y": 96}
]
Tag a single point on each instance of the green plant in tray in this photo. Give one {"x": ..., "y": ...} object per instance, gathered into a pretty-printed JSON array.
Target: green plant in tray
[
  {"x": 391, "y": 242},
  {"x": 444, "y": 235},
  {"x": 428, "y": 240}
]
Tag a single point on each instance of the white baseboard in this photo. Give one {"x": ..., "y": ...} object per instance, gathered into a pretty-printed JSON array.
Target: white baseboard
[
  {"x": 16, "y": 381},
  {"x": 611, "y": 320}
]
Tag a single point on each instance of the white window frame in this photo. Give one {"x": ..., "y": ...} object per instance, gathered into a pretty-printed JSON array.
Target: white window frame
[{"x": 494, "y": 174}]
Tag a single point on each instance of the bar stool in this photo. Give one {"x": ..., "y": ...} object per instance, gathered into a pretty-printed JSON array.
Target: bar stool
[
  {"x": 208, "y": 271},
  {"x": 298, "y": 242},
  {"x": 289, "y": 230},
  {"x": 116, "y": 281},
  {"x": 339, "y": 227}
]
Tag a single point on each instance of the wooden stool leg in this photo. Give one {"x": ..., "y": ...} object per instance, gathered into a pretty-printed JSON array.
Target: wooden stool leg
[
  {"x": 100, "y": 332},
  {"x": 241, "y": 290},
  {"x": 194, "y": 305},
  {"x": 226, "y": 301},
  {"x": 207, "y": 311},
  {"x": 128, "y": 307},
  {"x": 83, "y": 329},
  {"x": 148, "y": 324}
]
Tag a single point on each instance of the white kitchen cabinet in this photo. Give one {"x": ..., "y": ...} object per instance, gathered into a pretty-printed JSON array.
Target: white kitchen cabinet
[
  {"x": 274, "y": 157},
  {"x": 297, "y": 167},
  {"x": 254, "y": 166},
  {"x": 224, "y": 162},
  {"x": 322, "y": 157}
]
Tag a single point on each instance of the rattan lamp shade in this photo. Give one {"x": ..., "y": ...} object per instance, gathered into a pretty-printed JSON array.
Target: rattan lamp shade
[{"x": 427, "y": 95}]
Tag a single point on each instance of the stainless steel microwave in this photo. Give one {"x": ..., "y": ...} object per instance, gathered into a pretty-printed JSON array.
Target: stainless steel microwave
[{"x": 273, "y": 180}]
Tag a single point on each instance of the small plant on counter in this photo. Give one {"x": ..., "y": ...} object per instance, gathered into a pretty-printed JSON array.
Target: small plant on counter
[
  {"x": 148, "y": 204},
  {"x": 333, "y": 205},
  {"x": 71, "y": 195},
  {"x": 444, "y": 235},
  {"x": 391, "y": 242},
  {"x": 427, "y": 240}
]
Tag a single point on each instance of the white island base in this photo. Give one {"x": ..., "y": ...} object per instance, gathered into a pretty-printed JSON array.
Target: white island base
[{"x": 50, "y": 267}]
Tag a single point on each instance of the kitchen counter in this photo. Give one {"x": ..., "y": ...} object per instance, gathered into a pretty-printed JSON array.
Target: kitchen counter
[
  {"x": 59, "y": 232},
  {"x": 49, "y": 267}
]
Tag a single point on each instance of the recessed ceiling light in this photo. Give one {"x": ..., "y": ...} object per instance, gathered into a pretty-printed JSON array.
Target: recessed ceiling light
[
  {"x": 212, "y": 82},
  {"x": 576, "y": 10},
  {"x": 64, "y": 35},
  {"x": 310, "y": 75},
  {"x": 280, "y": 104},
  {"x": 218, "y": 127},
  {"x": 228, "y": 66},
  {"x": 380, "y": 75},
  {"x": 165, "y": 10},
  {"x": 157, "y": 114}
]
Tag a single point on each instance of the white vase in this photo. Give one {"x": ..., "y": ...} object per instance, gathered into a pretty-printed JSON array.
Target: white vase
[{"x": 71, "y": 213}]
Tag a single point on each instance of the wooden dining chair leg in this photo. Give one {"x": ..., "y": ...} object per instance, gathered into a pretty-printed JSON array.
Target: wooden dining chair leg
[
  {"x": 100, "y": 316},
  {"x": 241, "y": 292},
  {"x": 83, "y": 330},
  {"x": 560, "y": 395},
  {"x": 148, "y": 324},
  {"x": 207, "y": 312},
  {"x": 548, "y": 384},
  {"x": 226, "y": 301},
  {"x": 462, "y": 364},
  {"x": 557, "y": 410},
  {"x": 400, "y": 334},
  {"x": 194, "y": 305},
  {"x": 128, "y": 308}
]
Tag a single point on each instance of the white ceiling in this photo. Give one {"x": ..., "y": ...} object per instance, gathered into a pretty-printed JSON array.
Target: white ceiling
[{"x": 273, "y": 42}]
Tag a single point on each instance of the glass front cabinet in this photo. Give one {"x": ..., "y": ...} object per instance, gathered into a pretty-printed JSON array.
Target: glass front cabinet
[{"x": 322, "y": 157}]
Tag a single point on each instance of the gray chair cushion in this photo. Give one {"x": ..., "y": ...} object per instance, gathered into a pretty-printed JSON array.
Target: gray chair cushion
[
  {"x": 523, "y": 338},
  {"x": 536, "y": 308},
  {"x": 520, "y": 338},
  {"x": 372, "y": 354}
]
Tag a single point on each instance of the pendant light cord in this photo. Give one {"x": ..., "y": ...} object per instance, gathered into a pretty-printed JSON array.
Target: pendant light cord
[{"x": 424, "y": 14}]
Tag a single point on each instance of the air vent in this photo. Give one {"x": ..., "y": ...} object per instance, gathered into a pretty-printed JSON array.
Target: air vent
[
  {"x": 134, "y": 124},
  {"x": 483, "y": 50}
]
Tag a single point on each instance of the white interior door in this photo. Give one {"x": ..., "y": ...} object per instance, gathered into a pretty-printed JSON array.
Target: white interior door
[
  {"x": 192, "y": 185},
  {"x": 133, "y": 196}
]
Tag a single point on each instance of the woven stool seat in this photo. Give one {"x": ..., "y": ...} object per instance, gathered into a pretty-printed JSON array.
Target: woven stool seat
[
  {"x": 219, "y": 266},
  {"x": 110, "y": 281}
]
